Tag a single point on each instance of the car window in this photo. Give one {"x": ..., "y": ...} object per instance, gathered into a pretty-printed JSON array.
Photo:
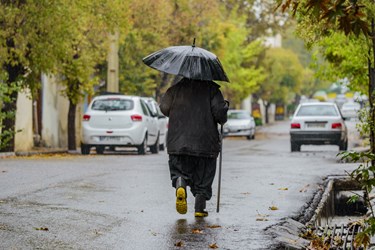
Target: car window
[
  {"x": 151, "y": 108},
  {"x": 238, "y": 115},
  {"x": 317, "y": 110},
  {"x": 145, "y": 108},
  {"x": 113, "y": 104}
]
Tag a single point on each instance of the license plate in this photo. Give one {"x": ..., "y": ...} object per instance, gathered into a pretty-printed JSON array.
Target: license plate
[
  {"x": 110, "y": 138},
  {"x": 316, "y": 125}
]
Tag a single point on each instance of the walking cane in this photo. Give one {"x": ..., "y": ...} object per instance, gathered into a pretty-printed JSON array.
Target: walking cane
[{"x": 220, "y": 160}]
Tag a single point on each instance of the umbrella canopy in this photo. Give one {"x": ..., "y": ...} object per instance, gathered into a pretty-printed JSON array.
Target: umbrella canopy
[{"x": 188, "y": 61}]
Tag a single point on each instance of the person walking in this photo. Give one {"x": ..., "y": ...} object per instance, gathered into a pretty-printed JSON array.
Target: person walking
[{"x": 195, "y": 108}]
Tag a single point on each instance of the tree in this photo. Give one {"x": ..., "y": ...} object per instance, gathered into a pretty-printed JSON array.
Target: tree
[
  {"x": 87, "y": 43},
  {"x": 283, "y": 79},
  {"x": 27, "y": 47},
  {"x": 355, "y": 22},
  {"x": 147, "y": 33},
  {"x": 241, "y": 63}
]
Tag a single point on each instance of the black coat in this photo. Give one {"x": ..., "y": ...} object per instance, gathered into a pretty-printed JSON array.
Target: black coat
[{"x": 194, "y": 109}]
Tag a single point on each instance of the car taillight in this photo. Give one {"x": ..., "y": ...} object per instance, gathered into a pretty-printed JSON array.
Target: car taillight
[
  {"x": 86, "y": 117},
  {"x": 336, "y": 125},
  {"x": 295, "y": 125},
  {"x": 136, "y": 118}
]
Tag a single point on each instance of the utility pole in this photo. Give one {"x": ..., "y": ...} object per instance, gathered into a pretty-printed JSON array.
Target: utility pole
[{"x": 113, "y": 64}]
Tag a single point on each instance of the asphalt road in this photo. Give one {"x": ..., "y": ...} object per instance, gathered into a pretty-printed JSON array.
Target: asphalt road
[{"x": 125, "y": 201}]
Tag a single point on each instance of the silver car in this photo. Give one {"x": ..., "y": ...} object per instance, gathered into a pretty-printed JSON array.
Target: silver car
[
  {"x": 318, "y": 124},
  {"x": 119, "y": 121},
  {"x": 240, "y": 123},
  {"x": 350, "y": 109}
]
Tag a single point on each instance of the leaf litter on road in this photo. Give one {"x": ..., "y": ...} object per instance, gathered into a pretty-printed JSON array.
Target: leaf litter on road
[
  {"x": 41, "y": 228},
  {"x": 261, "y": 217},
  {"x": 213, "y": 226},
  {"x": 273, "y": 207},
  {"x": 197, "y": 231},
  {"x": 213, "y": 246},
  {"x": 179, "y": 244},
  {"x": 304, "y": 189},
  {"x": 283, "y": 189}
]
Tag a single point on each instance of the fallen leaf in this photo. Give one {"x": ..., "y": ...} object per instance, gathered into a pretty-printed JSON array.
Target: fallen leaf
[
  {"x": 41, "y": 228},
  {"x": 304, "y": 189},
  {"x": 284, "y": 189},
  {"x": 273, "y": 208},
  {"x": 213, "y": 245},
  {"x": 213, "y": 226},
  {"x": 97, "y": 232},
  {"x": 197, "y": 231},
  {"x": 179, "y": 244},
  {"x": 4, "y": 171},
  {"x": 262, "y": 217},
  {"x": 246, "y": 193}
]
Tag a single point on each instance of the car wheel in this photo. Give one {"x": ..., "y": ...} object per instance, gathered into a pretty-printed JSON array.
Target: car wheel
[
  {"x": 155, "y": 148},
  {"x": 85, "y": 149},
  {"x": 100, "y": 150},
  {"x": 343, "y": 145},
  {"x": 248, "y": 137},
  {"x": 161, "y": 147},
  {"x": 142, "y": 149},
  {"x": 295, "y": 147}
]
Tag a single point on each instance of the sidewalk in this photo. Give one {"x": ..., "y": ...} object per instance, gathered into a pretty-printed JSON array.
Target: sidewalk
[{"x": 34, "y": 151}]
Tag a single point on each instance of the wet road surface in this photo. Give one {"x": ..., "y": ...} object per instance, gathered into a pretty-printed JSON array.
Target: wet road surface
[{"x": 125, "y": 201}]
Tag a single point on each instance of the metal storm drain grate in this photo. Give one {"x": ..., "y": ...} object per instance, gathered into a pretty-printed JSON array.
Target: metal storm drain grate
[{"x": 339, "y": 237}]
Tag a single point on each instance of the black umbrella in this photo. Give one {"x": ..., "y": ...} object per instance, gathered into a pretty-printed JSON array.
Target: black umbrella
[{"x": 188, "y": 61}]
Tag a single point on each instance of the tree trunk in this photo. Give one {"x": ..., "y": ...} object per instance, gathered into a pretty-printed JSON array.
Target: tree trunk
[
  {"x": 72, "y": 126},
  {"x": 371, "y": 91},
  {"x": 267, "y": 106}
]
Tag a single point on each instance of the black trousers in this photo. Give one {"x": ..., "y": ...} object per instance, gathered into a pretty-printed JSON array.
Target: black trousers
[{"x": 198, "y": 172}]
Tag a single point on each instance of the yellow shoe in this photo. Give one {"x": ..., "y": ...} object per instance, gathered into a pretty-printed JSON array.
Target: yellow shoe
[
  {"x": 201, "y": 214},
  {"x": 181, "y": 204}
]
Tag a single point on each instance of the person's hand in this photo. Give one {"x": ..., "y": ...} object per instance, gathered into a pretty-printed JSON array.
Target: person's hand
[{"x": 227, "y": 102}]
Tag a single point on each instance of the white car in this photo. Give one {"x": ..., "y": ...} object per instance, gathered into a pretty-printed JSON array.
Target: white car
[
  {"x": 119, "y": 120},
  {"x": 350, "y": 109},
  {"x": 163, "y": 121},
  {"x": 318, "y": 124},
  {"x": 240, "y": 123}
]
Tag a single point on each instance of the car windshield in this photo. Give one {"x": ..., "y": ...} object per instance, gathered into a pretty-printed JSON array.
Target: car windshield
[
  {"x": 238, "y": 115},
  {"x": 317, "y": 110},
  {"x": 113, "y": 104}
]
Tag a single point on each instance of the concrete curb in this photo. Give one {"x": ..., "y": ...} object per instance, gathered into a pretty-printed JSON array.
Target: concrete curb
[
  {"x": 7, "y": 154},
  {"x": 36, "y": 152},
  {"x": 30, "y": 153}
]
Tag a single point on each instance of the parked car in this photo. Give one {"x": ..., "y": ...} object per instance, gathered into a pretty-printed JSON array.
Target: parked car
[
  {"x": 350, "y": 109},
  {"x": 119, "y": 120},
  {"x": 162, "y": 121},
  {"x": 318, "y": 123},
  {"x": 240, "y": 123}
]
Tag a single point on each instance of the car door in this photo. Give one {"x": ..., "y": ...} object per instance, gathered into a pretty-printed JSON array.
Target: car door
[{"x": 151, "y": 123}]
